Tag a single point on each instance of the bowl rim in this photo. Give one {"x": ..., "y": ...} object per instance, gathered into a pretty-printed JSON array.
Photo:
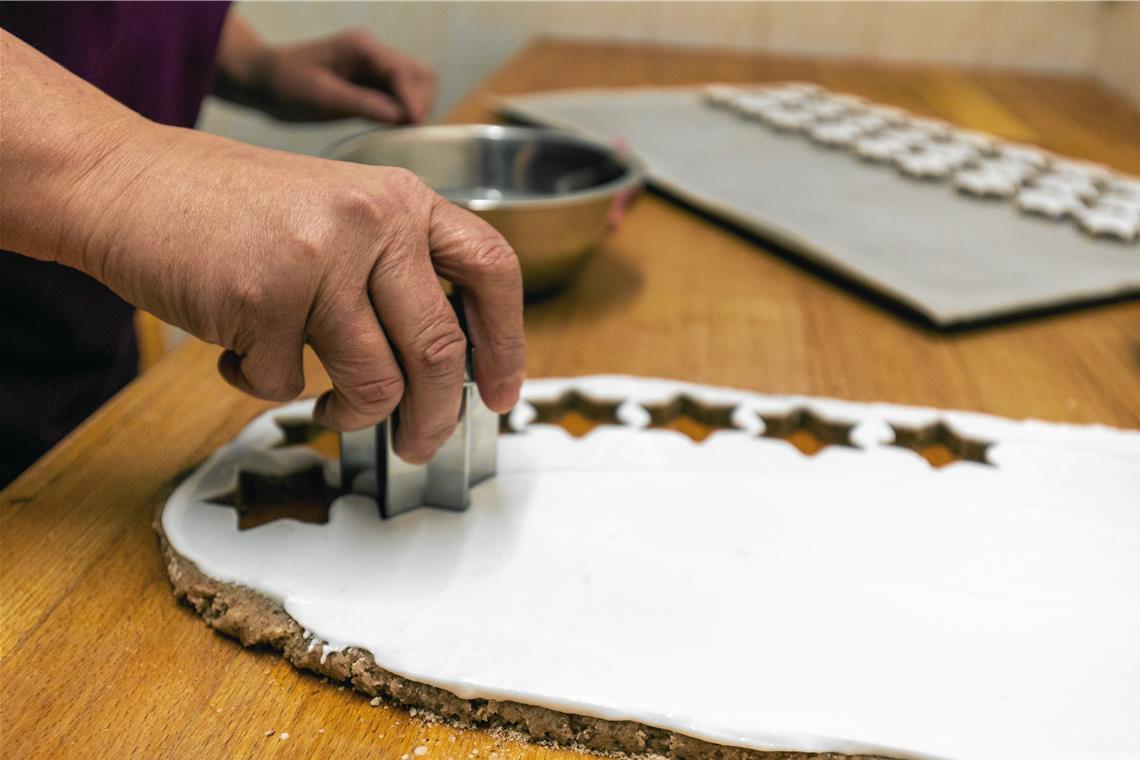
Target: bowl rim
[{"x": 633, "y": 176}]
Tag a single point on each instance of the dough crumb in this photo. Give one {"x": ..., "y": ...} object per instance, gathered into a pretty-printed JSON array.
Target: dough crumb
[
  {"x": 420, "y": 751},
  {"x": 265, "y": 672},
  {"x": 375, "y": 701},
  {"x": 284, "y": 735},
  {"x": 320, "y": 730},
  {"x": 413, "y": 712},
  {"x": 269, "y": 732}
]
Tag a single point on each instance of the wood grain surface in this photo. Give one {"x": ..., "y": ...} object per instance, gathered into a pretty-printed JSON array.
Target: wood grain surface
[{"x": 97, "y": 659}]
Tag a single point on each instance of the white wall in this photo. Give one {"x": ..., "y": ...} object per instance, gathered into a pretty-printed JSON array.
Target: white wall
[{"x": 466, "y": 41}]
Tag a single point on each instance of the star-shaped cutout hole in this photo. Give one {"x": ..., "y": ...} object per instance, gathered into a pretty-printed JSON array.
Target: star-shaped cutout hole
[
  {"x": 940, "y": 445},
  {"x": 259, "y": 498},
  {"x": 807, "y": 431},
  {"x": 302, "y": 431},
  {"x": 694, "y": 418},
  {"x": 577, "y": 414}
]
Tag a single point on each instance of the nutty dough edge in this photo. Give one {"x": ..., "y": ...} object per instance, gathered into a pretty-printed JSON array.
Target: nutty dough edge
[{"x": 254, "y": 619}]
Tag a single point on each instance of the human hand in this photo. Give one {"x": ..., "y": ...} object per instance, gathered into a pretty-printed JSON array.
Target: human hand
[
  {"x": 345, "y": 75},
  {"x": 261, "y": 252}
]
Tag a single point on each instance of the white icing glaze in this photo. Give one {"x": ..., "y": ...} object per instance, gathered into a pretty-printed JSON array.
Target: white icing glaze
[
  {"x": 985, "y": 182},
  {"x": 924, "y": 163},
  {"x": 1119, "y": 223},
  {"x": 835, "y": 133},
  {"x": 826, "y": 110},
  {"x": 1051, "y": 201},
  {"x": 788, "y": 119},
  {"x": 880, "y": 148},
  {"x": 1082, "y": 187},
  {"x": 736, "y": 590}
]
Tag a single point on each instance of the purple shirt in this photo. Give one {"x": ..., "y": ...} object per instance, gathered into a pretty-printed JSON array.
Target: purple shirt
[{"x": 67, "y": 343}]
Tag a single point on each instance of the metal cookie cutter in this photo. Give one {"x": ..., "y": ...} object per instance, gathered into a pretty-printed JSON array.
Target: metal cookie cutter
[{"x": 369, "y": 465}]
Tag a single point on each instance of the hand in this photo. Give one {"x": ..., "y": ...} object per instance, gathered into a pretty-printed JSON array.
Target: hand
[
  {"x": 348, "y": 74},
  {"x": 262, "y": 252}
]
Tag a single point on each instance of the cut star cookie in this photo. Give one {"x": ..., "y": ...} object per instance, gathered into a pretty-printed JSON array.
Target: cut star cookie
[
  {"x": 1097, "y": 174},
  {"x": 1052, "y": 202},
  {"x": 1125, "y": 189},
  {"x": 825, "y": 109},
  {"x": 1108, "y": 222},
  {"x": 889, "y": 114},
  {"x": 1080, "y": 186},
  {"x": 788, "y": 119},
  {"x": 979, "y": 141},
  {"x": 880, "y": 148},
  {"x": 956, "y": 154},
  {"x": 924, "y": 163},
  {"x": 836, "y": 133},
  {"x": 1025, "y": 154},
  {"x": 753, "y": 104},
  {"x": 1017, "y": 170},
  {"x": 867, "y": 122},
  {"x": 1122, "y": 204},
  {"x": 908, "y": 135},
  {"x": 933, "y": 127},
  {"x": 986, "y": 183}
]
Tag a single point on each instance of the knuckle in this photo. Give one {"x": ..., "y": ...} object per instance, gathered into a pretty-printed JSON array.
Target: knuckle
[
  {"x": 377, "y": 396},
  {"x": 492, "y": 257},
  {"x": 405, "y": 181},
  {"x": 251, "y": 301},
  {"x": 440, "y": 349},
  {"x": 356, "y": 206}
]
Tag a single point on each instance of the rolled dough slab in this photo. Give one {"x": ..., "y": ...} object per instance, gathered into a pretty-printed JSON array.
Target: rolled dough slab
[{"x": 635, "y": 590}]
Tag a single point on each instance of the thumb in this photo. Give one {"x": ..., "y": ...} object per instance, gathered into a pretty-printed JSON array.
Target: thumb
[{"x": 338, "y": 98}]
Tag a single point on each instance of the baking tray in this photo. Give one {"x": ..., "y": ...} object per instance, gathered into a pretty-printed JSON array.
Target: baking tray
[{"x": 950, "y": 258}]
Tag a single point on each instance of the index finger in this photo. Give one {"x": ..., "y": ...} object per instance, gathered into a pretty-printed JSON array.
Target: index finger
[{"x": 470, "y": 253}]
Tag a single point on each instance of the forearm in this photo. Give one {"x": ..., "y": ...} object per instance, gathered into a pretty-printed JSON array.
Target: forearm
[{"x": 62, "y": 147}]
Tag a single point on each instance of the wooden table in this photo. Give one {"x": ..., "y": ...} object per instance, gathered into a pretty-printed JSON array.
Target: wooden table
[{"x": 97, "y": 658}]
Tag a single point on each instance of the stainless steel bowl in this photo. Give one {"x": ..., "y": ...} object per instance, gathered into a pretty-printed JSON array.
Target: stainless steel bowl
[{"x": 548, "y": 192}]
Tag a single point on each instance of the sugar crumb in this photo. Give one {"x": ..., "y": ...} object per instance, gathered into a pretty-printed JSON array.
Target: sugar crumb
[
  {"x": 284, "y": 735},
  {"x": 375, "y": 701},
  {"x": 420, "y": 751}
]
